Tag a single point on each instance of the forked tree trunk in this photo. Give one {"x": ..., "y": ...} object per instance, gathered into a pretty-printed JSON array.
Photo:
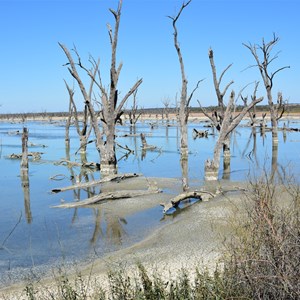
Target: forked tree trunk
[
  {"x": 228, "y": 125},
  {"x": 111, "y": 109},
  {"x": 183, "y": 111},
  {"x": 263, "y": 64},
  {"x": 184, "y": 101}
]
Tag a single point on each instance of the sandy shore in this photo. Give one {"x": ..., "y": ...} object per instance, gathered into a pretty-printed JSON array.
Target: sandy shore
[
  {"x": 192, "y": 237},
  {"x": 145, "y": 117}
]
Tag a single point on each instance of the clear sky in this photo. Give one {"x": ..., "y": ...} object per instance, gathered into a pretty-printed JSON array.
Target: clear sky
[{"x": 31, "y": 62}]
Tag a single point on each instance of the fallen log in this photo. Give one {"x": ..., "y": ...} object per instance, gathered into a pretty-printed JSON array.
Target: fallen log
[
  {"x": 91, "y": 165},
  {"x": 34, "y": 155},
  {"x": 82, "y": 185},
  {"x": 174, "y": 202},
  {"x": 108, "y": 196}
]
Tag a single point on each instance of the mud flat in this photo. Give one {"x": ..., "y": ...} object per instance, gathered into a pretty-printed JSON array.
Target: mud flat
[{"x": 192, "y": 237}]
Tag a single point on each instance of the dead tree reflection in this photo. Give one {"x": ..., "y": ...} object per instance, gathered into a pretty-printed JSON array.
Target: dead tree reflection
[
  {"x": 109, "y": 226},
  {"x": 114, "y": 228},
  {"x": 97, "y": 229},
  {"x": 284, "y": 132},
  {"x": 26, "y": 192},
  {"x": 252, "y": 153},
  {"x": 83, "y": 176},
  {"x": 274, "y": 159}
]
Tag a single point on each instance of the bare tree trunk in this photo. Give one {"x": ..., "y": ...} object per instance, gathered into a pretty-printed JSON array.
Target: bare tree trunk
[
  {"x": 68, "y": 123},
  {"x": 24, "y": 175},
  {"x": 183, "y": 112},
  {"x": 111, "y": 109},
  {"x": 263, "y": 63},
  {"x": 228, "y": 125},
  {"x": 185, "y": 174},
  {"x": 24, "y": 161},
  {"x": 85, "y": 131}
]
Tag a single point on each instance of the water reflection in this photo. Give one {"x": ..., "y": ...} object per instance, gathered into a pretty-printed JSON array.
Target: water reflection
[
  {"x": 252, "y": 153},
  {"x": 25, "y": 187},
  {"x": 226, "y": 168},
  {"x": 114, "y": 228},
  {"x": 97, "y": 228},
  {"x": 274, "y": 158},
  {"x": 97, "y": 225}
]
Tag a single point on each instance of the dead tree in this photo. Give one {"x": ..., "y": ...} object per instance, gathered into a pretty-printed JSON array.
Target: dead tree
[
  {"x": 252, "y": 115},
  {"x": 111, "y": 107},
  {"x": 25, "y": 176},
  {"x": 229, "y": 123},
  {"x": 263, "y": 59},
  {"x": 184, "y": 98},
  {"x": 217, "y": 117},
  {"x": 24, "y": 161},
  {"x": 85, "y": 130},
  {"x": 166, "y": 102},
  {"x": 134, "y": 115},
  {"x": 68, "y": 122}
]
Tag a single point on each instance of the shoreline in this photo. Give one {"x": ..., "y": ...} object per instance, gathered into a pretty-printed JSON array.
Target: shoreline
[
  {"x": 193, "y": 116},
  {"x": 194, "y": 238}
]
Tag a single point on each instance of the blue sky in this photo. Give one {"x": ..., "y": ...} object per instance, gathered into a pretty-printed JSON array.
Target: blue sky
[{"x": 31, "y": 71}]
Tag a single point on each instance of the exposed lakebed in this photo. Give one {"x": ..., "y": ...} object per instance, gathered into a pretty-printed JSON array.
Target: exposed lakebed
[{"x": 46, "y": 236}]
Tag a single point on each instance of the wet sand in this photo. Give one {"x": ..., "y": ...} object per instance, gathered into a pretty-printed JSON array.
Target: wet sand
[{"x": 193, "y": 237}]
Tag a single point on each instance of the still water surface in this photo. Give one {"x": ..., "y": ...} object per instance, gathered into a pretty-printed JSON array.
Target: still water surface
[{"x": 46, "y": 236}]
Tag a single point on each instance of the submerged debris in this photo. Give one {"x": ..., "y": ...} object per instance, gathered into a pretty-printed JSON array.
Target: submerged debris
[{"x": 34, "y": 155}]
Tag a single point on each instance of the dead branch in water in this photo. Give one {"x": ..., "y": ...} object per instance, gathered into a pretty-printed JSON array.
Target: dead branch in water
[
  {"x": 174, "y": 202},
  {"x": 145, "y": 145},
  {"x": 91, "y": 165},
  {"x": 82, "y": 185},
  {"x": 109, "y": 196},
  {"x": 200, "y": 133},
  {"x": 34, "y": 155}
]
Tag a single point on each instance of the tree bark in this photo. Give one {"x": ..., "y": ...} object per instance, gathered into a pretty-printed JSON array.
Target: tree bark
[
  {"x": 228, "y": 125},
  {"x": 174, "y": 202},
  {"x": 263, "y": 63},
  {"x": 111, "y": 109},
  {"x": 108, "y": 196},
  {"x": 24, "y": 161},
  {"x": 83, "y": 185}
]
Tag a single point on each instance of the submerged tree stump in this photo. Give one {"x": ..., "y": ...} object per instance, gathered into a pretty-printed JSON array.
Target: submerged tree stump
[{"x": 24, "y": 161}]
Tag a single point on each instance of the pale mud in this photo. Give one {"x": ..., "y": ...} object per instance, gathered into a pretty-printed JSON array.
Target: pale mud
[{"x": 193, "y": 236}]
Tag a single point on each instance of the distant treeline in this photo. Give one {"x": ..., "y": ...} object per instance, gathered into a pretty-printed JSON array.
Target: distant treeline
[{"x": 147, "y": 111}]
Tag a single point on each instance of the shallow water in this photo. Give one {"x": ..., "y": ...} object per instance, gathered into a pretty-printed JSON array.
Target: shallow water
[{"x": 47, "y": 236}]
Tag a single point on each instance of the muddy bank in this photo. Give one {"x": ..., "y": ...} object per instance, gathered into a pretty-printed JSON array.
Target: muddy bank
[{"x": 191, "y": 235}]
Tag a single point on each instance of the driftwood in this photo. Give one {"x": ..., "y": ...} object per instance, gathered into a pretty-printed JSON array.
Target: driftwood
[
  {"x": 200, "y": 133},
  {"x": 145, "y": 145},
  {"x": 126, "y": 148},
  {"x": 91, "y": 165},
  {"x": 34, "y": 155},
  {"x": 174, "y": 202},
  {"x": 30, "y": 144},
  {"x": 202, "y": 195},
  {"x": 109, "y": 196},
  {"x": 95, "y": 182}
]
